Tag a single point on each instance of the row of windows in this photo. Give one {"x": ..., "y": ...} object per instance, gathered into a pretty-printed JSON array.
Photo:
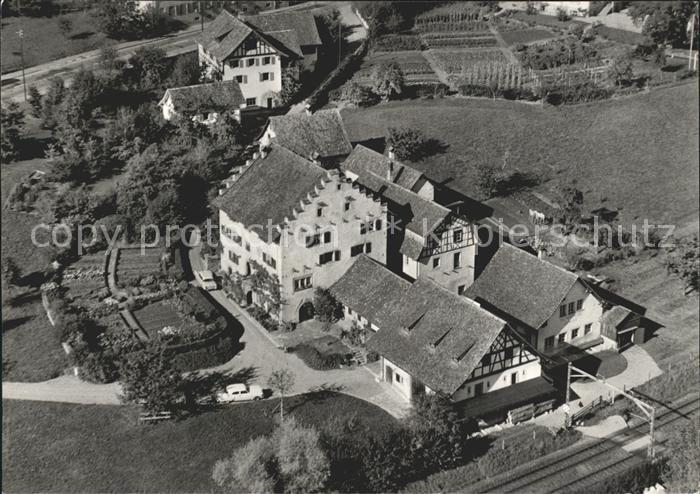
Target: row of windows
[
  {"x": 370, "y": 226},
  {"x": 249, "y": 62},
  {"x": 458, "y": 236},
  {"x": 456, "y": 261},
  {"x": 356, "y": 250},
  {"x": 302, "y": 283},
  {"x": 315, "y": 239},
  {"x": 561, "y": 338},
  {"x": 327, "y": 257},
  {"x": 568, "y": 309},
  {"x": 269, "y": 260},
  {"x": 262, "y": 77}
]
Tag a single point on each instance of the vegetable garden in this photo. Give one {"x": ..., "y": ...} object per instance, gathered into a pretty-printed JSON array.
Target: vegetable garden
[{"x": 413, "y": 64}]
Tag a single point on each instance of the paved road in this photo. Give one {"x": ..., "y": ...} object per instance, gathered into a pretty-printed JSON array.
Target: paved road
[
  {"x": 38, "y": 76},
  {"x": 68, "y": 389}
]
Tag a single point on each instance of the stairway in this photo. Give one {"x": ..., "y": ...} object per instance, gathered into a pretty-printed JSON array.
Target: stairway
[{"x": 360, "y": 357}]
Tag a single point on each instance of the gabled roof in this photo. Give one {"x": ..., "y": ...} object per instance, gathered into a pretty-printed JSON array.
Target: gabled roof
[
  {"x": 270, "y": 188},
  {"x": 322, "y": 132},
  {"x": 205, "y": 97},
  {"x": 433, "y": 334},
  {"x": 302, "y": 23},
  {"x": 224, "y": 35},
  {"x": 522, "y": 286},
  {"x": 364, "y": 160}
]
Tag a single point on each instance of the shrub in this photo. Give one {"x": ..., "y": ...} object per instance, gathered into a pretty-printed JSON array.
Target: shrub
[
  {"x": 576, "y": 93},
  {"x": 562, "y": 15},
  {"x": 635, "y": 479},
  {"x": 356, "y": 94},
  {"x": 218, "y": 352},
  {"x": 326, "y": 307},
  {"x": 318, "y": 360},
  {"x": 408, "y": 143}
]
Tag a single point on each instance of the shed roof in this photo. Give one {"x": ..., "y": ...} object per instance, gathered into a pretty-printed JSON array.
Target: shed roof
[{"x": 522, "y": 285}]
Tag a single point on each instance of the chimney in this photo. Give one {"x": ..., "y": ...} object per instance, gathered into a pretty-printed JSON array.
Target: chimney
[
  {"x": 392, "y": 155},
  {"x": 390, "y": 169}
]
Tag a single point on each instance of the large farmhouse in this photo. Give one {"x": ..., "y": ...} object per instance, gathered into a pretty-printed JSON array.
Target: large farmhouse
[
  {"x": 432, "y": 340},
  {"x": 554, "y": 310},
  {"x": 298, "y": 221},
  {"x": 255, "y": 51}
]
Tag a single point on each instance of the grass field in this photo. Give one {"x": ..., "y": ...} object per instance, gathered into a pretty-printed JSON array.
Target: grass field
[
  {"x": 638, "y": 153},
  {"x": 43, "y": 41},
  {"x": 52, "y": 447},
  {"x": 156, "y": 316},
  {"x": 30, "y": 348}
]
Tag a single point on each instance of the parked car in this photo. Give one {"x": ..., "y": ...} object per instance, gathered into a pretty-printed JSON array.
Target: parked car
[
  {"x": 206, "y": 280},
  {"x": 240, "y": 392}
]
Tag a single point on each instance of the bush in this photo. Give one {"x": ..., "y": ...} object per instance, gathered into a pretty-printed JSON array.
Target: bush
[
  {"x": 355, "y": 93},
  {"x": 218, "y": 352},
  {"x": 576, "y": 93},
  {"x": 635, "y": 479},
  {"x": 408, "y": 143},
  {"x": 316, "y": 360},
  {"x": 326, "y": 307},
  {"x": 562, "y": 15}
]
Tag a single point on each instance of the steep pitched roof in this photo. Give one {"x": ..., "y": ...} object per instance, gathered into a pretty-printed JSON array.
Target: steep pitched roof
[
  {"x": 522, "y": 286},
  {"x": 364, "y": 288},
  {"x": 322, "y": 132},
  {"x": 203, "y": 97},
  {"x": 418, "y": 215},
  {"x": 224, "y": 35},
  {"x": 364, "y": 160},
  {"x": 302, "y": 23},
  {"x": 437, "y": 336},
  {"x": 270, "y": 188}
]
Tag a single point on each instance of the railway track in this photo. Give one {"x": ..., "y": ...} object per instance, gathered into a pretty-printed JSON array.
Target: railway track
[{"x": 587, "y": 462}]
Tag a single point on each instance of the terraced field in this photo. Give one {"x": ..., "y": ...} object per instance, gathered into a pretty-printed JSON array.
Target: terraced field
[
  {"x": 414, "y": 66},
  {"x": 133, "y": 264}
]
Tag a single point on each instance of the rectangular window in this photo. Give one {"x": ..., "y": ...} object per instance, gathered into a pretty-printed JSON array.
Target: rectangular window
[
  {"x": 457, "y": 260},
  {"x": 561, "y": 339},
  {"x": 269, "y": 260},
  {"x": 346, "y": 206},
  {"x": 548, "y": 342},
  {"x": 571, "y": 307},
  {"x": 326, "y": 237},
  {"x": 356, "y": 250},
  {"x": 458, "y": 236},
  {"x": 574, "y": 334},
  {"x": 486, "y": 359},
  {"x": 264, "y": 76},
  {"x": 266, "y": 61},
  {"x": 562, "y": 311},
  {"x": 363, "y": 228},
  {"x": 397, "y": 377},
  {"x": 247, "y": 246},
  {"x": 587, "y": 329},
  {"x": 325, "y": 258},
  {"x": 250, "y": 62},
  {"x": 319, "y": 212},
  {"x": 509, "y": 353},
  {"x": 460, "y": 289},
  {"x": 233, "y": 257},
  {"x": 240, "y": 79},
  {"x": 436, "y": 262},
  {"x": 336, "y": 255},
  {"x": 302, "y": 283},
  {"x": 579, "y": 304},
  {"x": 250, "y": 101},
  {"x": 233, "y": 64},
  {"x": 368, "y": 247},
  {"x": 378, "y": 225}
]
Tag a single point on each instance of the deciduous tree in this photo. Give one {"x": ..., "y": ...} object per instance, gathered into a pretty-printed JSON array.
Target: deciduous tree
[
  {"x": 684, "y": 261},
  {"x": 408, "y": 143},
  {"x": 683, "y": 447},
  {"x": 665, "y": 22},
  {"x": 11, "y": 122},
  {"x": 387, "y": 80},
  {"x": 281, "y": 381}
]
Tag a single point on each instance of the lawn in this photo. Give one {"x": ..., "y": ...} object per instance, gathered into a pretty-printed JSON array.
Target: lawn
[
  {"x": 156, "y": 316},
  {"x": 81, "y": 448},
  {"x": 525, "y": 36},
  {"x": 43, "y": 41},
  {"x": 637, "y": 153},
  {"x": 30, "y": 348}
]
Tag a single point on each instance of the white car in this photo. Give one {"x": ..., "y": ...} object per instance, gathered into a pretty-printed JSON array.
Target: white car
[
  {"x": 206, "y": 280},
  {"x": 240, "y": 392}
]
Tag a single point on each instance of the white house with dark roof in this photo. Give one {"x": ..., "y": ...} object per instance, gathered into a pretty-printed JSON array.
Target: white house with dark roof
[
  {"x": 553, "y": 309},
  {"x": 255, "y": 51},
  {"x": 432, "y": 340},
  {"x": 425, "y": 239},
  {"x": 203, "y": 102},
  {"x": 298, "y": 221},
  {"x": 318, "y": 136}
]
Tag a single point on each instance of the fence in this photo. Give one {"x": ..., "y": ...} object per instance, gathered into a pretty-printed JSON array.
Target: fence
[{"x": 529, "y": 411}]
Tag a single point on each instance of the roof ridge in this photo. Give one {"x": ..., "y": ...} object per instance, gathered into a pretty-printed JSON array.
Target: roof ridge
[
  {"x": 418, "y": 196},
  {"x": 374, "y": 261},
  {"x": 462, "y": 298}
]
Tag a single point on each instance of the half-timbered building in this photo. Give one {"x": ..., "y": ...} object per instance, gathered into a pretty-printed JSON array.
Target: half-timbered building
[
  {"x": 425, "y": 239},
  {"x": 255, "y": 51},
  {"x": 432, "y": 340}
]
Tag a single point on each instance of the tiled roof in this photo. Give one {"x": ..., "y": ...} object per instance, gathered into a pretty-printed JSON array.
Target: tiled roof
[
  {"x": 436, "y": 336},
  {"x": 204, "y": 97},
  {"x": 522, "y": 286},
  {"x": 322, "y": 132},
  {"x": 270, "y": 188},
  {"x": 224, "y": 35},
  {"x": 303, "y": 23},
  {"x": 364, "y": 288},
  {"x": 364, "y": 160}
]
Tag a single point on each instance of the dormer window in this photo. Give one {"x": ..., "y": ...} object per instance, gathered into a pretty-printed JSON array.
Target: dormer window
[{"x": 319, "y": 212}]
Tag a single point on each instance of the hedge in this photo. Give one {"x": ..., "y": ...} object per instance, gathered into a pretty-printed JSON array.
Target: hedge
[
  {"x": 635, "y": 479},
  {"x": 317, "y": 360},
  {"x": 221, "y": 349}
]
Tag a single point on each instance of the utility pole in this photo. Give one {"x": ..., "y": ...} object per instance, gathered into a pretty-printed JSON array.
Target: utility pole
[
  {"x": 201, "y": 13},
  {"x": 690, "y": 48},
  {"x": 340, "y": 41},
  {"x": 20, "y": 33}
]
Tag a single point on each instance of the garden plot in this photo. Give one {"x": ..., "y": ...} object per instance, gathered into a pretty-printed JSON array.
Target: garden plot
[
  {"x": 526, "y": 36},
  {"x": 132, "y": 264},
  {"x": 86, "y": 276},
  {"x": 413, "y": 64},
  {"x": 156, "y": 316},
  {"x": 478, "y": 67},
  {"x": 480, "y": 39}
]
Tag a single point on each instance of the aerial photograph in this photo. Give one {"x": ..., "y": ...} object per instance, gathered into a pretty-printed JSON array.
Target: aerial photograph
[{"x": 350, "y": 247}]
